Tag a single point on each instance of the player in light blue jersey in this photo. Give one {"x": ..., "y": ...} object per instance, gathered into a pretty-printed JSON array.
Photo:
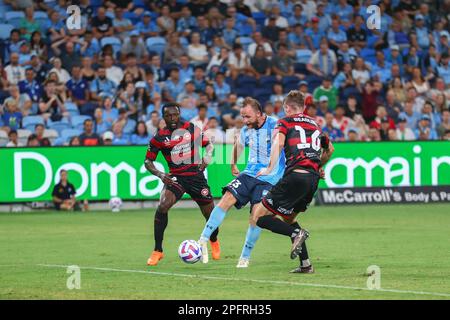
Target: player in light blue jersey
[{"x": 246, "y": 187}]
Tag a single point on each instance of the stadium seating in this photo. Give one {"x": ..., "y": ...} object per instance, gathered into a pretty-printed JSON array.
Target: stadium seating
[
  {"x": 267, "y": 82},
  {"x": 59, "y": 126},
  {"x": 5, "y": 30},
  {"x": 303, "y": 55},
  {"x": 245, "y": 42},
  {"x": 31, "y": 121},
  {"x": 156, "y": 45},
  {"x": 78, "y": 121},
  {"x": 130, "y": 126},
  {"x": 66, "y": 134},
  {"x": 3, "y": 138},
  {"x": 262, "y": 95},
  {"x": 14, "y": 17},
  {"x": 51, "y": 134},
  {"x": 114, "y": 42},
  {"x": 23, "y": 134},
  {"x": 290, "y": 83},
  {"x": 72, "y": 108}
]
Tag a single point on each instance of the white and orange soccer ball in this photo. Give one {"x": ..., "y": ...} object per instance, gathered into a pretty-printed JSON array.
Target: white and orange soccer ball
[{"x": 190, "y": 251}]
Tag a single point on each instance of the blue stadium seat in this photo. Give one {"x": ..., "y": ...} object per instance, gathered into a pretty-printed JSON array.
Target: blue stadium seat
[
  {"x": 259, "y": 18},
  {"x": 30, "y": 121},
  {"x": 129, "y": 126},
  {"x": 14, "y": 17},
  {"x": 66, "y": 134},
  {"x": 267, "y": 82},
  {"x": 246, "y": 82},
  {"x": 244, "y": 91},
  {"x": 59, "y": 126},
  {"x": 77, "y": 121},
  {"x": 188, "y": 114},
  {"x": 133, "y": 17},
  {"x": 290, "y": 83},
  {"x": 5, "y": 30},
  {"x": 245, "y": 30},
  {"x": 245, "y": 42},
  {"x": 262, "y": 95},
  {"x": 184, "y": 42},
  {"x": 41, "y": 17},
  {"x": 115, "y": 42},
  {"x": 303, "y": 55},
  {"x": 156, "y": 44},
  {"x": 72, "y": 108},
  {"x": 139, "y": 3}
]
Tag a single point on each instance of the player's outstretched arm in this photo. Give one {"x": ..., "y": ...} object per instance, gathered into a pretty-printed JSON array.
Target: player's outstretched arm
[
  {"x": 278, "y": 144},
  {"x": 150, "y": 166}
]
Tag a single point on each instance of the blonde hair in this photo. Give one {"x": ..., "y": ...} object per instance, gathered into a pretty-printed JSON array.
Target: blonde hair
[{"x": 295, "y": 99}]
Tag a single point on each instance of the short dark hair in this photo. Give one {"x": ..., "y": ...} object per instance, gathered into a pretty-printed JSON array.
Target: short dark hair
[
  {"x": 38, "y": 125},
  {"x": 171, "y": 105},
  {"x": 202, "y": 106}
]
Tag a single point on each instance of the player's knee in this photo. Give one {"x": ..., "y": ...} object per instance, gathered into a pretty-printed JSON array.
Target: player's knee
[
  {"x": 163, "y": 208},
  {"x": 227, "y": 201}
]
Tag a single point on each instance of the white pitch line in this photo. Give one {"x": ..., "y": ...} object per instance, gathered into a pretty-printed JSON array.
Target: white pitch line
[{"x": 316, "y": 285}]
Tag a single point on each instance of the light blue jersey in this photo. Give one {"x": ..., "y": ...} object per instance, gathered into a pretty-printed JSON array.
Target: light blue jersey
[{"x": 260, "y": 143}]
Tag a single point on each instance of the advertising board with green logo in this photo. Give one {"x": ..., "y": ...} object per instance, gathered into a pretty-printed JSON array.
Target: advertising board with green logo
[{"x": 99, "y": 173}]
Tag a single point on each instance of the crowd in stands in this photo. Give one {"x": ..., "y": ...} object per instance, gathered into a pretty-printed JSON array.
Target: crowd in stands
[{"x": 105, "y": 81}]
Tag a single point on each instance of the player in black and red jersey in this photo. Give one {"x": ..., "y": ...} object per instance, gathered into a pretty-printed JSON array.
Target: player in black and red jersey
[
  {"x": 180, "y": 142},
  {"x": 306, "y": 150}
]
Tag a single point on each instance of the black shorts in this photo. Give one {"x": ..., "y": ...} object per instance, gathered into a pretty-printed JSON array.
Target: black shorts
[
  {"x": 196, "y": 186},
  {"x": 247, "y": 189},
  {"x": 292, "y": 194}
]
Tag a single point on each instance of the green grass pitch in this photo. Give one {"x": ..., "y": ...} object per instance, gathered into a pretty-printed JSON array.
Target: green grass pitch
[{"x": 410, "y": 243}]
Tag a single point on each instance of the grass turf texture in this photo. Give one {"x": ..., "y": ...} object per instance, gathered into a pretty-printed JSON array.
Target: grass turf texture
[{"x": 409, "y": 243}]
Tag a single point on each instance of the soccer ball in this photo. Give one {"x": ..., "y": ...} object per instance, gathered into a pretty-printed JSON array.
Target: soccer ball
[
  {"x": 115, "y": 204},
  {"x": 190, "y": 251}
]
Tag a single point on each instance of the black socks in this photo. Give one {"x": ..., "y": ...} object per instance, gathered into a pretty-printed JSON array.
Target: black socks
[{"x": 160, "y": 225}]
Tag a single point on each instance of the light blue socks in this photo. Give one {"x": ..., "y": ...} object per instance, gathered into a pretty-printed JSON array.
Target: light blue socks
[
  {"x": 214, "y": 221},
  {"x": 252, "y": 236}
]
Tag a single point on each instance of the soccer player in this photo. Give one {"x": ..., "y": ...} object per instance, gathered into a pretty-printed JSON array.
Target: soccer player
[
  {"x": 306, "y": 150},
  {"x": 246, "y": 187},
  {"x": 180, "y": 143}
]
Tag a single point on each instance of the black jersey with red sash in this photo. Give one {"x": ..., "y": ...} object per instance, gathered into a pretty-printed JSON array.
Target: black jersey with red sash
[
  {"x": 303, "y": 142},
  {"x": 180, "y": 148}
]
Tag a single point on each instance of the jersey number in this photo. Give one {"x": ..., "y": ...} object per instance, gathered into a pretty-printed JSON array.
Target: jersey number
[{"x": 315, "y": 141}]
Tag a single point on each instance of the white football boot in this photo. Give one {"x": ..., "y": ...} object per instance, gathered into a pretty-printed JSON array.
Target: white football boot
[
  {"x": 204, "y": 245},
  {"x": 243, "y": 263}
]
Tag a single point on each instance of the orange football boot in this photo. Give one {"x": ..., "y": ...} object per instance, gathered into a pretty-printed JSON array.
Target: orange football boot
[
  {"x": 154, "y": 258},
  {"x": 215, "y": 249}
]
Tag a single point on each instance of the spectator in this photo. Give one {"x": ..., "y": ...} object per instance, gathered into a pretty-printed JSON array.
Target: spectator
[
  {"x": 352, "y": 135},
  {"x": 133, "y": 44},
  {"x": 327, "y": 90},
  {"x": 22, "y": 100},
  {"x": 146, "y": 27},
  {"x": 102, "y": 25},
  {"x": 280, "y": 21},
  {"x": 68, "y": 55},
  {"x": 122, "y": 26},
  {"x": 186, "y": 71},
  {"x": 197, "y": 51},
  {"x": 277, "y": 94},
  {"x": 403, "y": 132},
  {"x": 119, "y": 137},
  {"x": 62, "y": 74},
  {"x": 381, "y": 69},
  {"x": 27, "y": 24},
  {"x": 11, "y": 117},
  {"x": 140, "y": 136},
  {"x": 298, "y": 37},
  {"x": 444, "y": 127},
  {"x": 54, "y": 26},
  {"x": 335, "y": 134},
  {"x": 24, "y": 54},
  {"x": 340, "y": 120},
  {"x": 165, "y": 22},
  {"x": 221, "y": 88},
  {"x": 312, "y": 112},
  {"x": 374, "y": 135},
  {"x": 270, "y": 30},
  {"x": 298, "y": 17},
  {"x": 201, "y": 119},
  {"x": 259, "y": 41},
  {"x": 32, "y": 141},
  {"x": 230, "y": 33},
  {"x": 260, "y": 64},
  {"x": 218, "y": 63},
  {"x": 110, "y": 114},
  {"x": 113, "y": 73},
  {"x": 89, "y": 137},
  {"x": 157, "y": 70},
  {"x": 78, "y": 90},
  {"x": 174, "y": 51},
  {"x": 74, "y": 141},
  {"x": 356, "y": 35},
  {"x": 189, "y": 95},
  {"x": 13, "y": 140},
  {"x": 108, "y": 137},
  {"x": 173, "y": 86},
  {"x": 30, "y": 86},
  {"x": 39, "y": 131},
  {"x": 381, "y": 114},
  {"x": 282, "y": 63},
  {"x": 393, "y": 107},
  {"x": 424, "y": 130},
  {"x": 315, "y": 35},
  {"x": 415, "y": 99},
  {"x": 323, "y": 63},
  {"x": 100, "y": 125},
  {"x": 127, "y": 101},
  {"x": 410, "y": 115},
  {"x": 87, "y": 72},
  {"x": 101, "y": 86},
  {"x": 335, "y": 35},
  {"x": 153, "y": 123},
  {"x": 14, "y": 72},
  {"x": 428, "y": 110},
  {"x": 51, "y": 105},
  {"x": 370, "y": 99},
  {"x": 214, "y": 133},
  {"x": 443, "y": 70},
  {"x": 186, "y": 23},
  {"x": 64, "y": 194},
  {"x": 90, "y": 46},
  {"x": 398, "y": 89}
]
